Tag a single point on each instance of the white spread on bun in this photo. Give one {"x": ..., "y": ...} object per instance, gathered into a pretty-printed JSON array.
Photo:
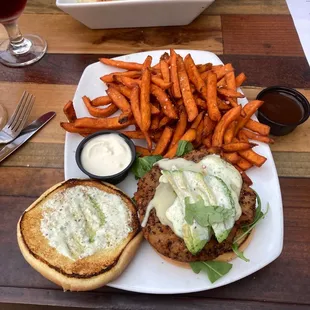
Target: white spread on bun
[{"x": 80, "y": 234}]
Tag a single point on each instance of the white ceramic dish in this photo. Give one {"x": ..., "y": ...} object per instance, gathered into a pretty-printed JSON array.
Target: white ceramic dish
[
  {"x": 148, "y": 272},
  {"x": 134, "y": 13}
]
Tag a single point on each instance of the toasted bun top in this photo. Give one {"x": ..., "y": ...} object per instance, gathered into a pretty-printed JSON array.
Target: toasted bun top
[{"x": 38, "y": 246}]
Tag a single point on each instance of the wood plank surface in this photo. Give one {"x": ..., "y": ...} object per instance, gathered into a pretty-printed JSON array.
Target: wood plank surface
[
  {"x": 266, "y": 285},
  {"x": 260, "y": 70},
  {"x": 260, "y": 35},
  {"x": 219, "y": 7},
  {"x": 66, "y": 35},
  {"x": 261, "y": 7}
]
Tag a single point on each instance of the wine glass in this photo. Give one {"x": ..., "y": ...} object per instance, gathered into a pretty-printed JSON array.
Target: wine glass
[{"x": 18, "y": 50}]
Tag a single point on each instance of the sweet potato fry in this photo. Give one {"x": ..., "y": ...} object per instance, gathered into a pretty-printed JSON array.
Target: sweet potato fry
[
  {"x": 154, "y": 110},
  {"x": 145, "y": 105},
  {"x": 204, "y": 67},
  {"x": 252, "y": 135},
  {"x": 220, "y": 71},
  {"x": 176, "y": 91},
  {"x": 180, "y": 128},
  {"x": 229, "y": 93},
  {"x": 164, "y": 121},
  {"x": 260, "y": 128},
  {"x": 101, "y": 123},
  {"x": 69, "y": 111},
  {"x": 97, "y": 112},
  {"x": 188, "y": 99},
  {"x": 234, "y": 103},
  {"x": 70, "y": 127},
  {"x": 222, "y": 105},
  {"x": 164, "y": 68},
  {"x": 165, "y": 56},
  {"x": 230, "y": 132},
  {"x": 135, "y": 105},
  {"x": 230, "y": 116},
  {"x": 166, "y": 105},
  {"x": 253, "y": 158},
  {"x": 127, "y": 81},
  {"x": 221, "y": 82},
  {"x": 179, "y": 102},
  {"x": 155, "y": 122},
  {"x": 200, "y": 103},
  {"x": 109, "y": 78},
  {"x": 213, "y": 110},
  {"x": 233, "y": 158},
  {"x": 205, "y": 75},
  {"x": 237, "y": 146},
  {"x": 156, "y": 135},
  {"x": 163, "y": 142},
  {"x": 208, "y": 126},
  {"x": 197, "y": 120},
  {"x": 242, "y": 137},
  {"x": 244, "y": 176},
  {"x": 136, "y": 134},
  {"x": 207, "y": 142},
  {"x": 250, "y": 108},
  {"x": 230, "y": 80},
  {"x": 214, "y": 150},
  {"x": 124, "y": 90},
  {"x": 194, "y": 76},
  {"x": 121, "y": 64},
  {"x": 147, "y": 63},
  {"x": 142, "y": 151},
  {"x": 199, "y": 131},
  {"x": 243, "y": 164},
  {"x": 240, "y": 79},
  {"x": 189, "y": 135},
  {"x": 160, "y": 82},
  {"x": 121, "y": 102},
  {"x": 102, "y": 100}
]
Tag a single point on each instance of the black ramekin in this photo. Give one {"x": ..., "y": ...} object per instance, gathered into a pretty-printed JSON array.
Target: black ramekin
[
  {"x": 278, "y": 129},
  {"x": 115, "y": 178}
]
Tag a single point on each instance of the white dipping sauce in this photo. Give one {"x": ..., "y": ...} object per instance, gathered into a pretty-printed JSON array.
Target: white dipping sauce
[{"x": 106, "y": 155}]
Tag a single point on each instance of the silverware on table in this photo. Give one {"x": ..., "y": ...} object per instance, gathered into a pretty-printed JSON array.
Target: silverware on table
[
  {"x": 25, "y": 135},
  {"x": 18, "y": 120}
]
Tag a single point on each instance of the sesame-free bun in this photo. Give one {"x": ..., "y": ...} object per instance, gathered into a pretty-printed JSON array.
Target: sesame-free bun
[{"x": 83, "y": 274}]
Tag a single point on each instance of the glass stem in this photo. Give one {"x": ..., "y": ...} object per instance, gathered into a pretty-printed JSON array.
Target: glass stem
[{"x": 18, "y": 43}]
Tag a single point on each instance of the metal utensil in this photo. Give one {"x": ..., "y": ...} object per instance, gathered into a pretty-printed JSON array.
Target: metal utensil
[
  {"x": 18, "y": 120},
  {"x": 25, "y": 135}
]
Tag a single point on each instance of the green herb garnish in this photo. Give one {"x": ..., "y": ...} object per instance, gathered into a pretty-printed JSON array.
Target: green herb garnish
[
  {"x": 184, "y": 147},
  {"x": 205, "y": 215},
  {"x": 142, "y": 165},
  {"x": 214, "y": 270}
]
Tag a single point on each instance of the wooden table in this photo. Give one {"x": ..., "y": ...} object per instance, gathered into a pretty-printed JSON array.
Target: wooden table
[{"x": 259, "y": 38}]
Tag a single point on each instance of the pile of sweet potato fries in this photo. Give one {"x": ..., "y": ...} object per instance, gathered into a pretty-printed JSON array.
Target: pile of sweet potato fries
[{"x": 172, "y": 101}]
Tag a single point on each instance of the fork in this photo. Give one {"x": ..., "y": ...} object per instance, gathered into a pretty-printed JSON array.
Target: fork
[{"x": 17, "y": 121}]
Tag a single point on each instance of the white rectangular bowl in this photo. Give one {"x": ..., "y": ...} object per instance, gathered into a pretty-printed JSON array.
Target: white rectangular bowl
[{"x": 134, "y": 13}]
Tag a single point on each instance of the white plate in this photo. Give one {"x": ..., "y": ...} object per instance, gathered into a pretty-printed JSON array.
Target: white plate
[{"x": 148, "y": 272}]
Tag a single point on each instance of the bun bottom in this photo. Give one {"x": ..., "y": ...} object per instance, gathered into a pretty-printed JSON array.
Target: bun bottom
[
  {"x": 74, "y": 283},
  {"x": 226, "y": 257},
  {"x": 80, "y": 284}
]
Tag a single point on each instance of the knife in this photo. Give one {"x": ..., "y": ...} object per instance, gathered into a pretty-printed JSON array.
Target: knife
[{"x": 25, "y": 135}]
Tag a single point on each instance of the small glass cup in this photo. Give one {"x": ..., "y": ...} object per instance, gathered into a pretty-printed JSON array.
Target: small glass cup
[{"x": 18, "y": 50}]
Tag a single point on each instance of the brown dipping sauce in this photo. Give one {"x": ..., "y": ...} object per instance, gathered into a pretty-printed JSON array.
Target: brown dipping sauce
[{"x": 281, "y": 107}]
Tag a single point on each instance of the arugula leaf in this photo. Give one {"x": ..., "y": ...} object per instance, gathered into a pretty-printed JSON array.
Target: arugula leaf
[
  {"x": 142, "y": 165},
  {"x": 239, "y": 253},
  {"x": 214, "y": 270},
  {"x": 184, "y": 147},
  {"x": 205, "y": 215}
]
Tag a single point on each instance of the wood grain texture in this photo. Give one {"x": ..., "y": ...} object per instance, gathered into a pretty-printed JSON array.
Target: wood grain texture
[
  {"x": 260, "y": 7},
  {"x": 48, "y": 98},
  {"x": 260, "y": 35},
  {"x": 267, "y": 285},
  {"x": 260, "y": 70},
  {"x": 95, "y": 300},
  {"x": 217, "y": 8},
  {"x": 66, "y": 35}
]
